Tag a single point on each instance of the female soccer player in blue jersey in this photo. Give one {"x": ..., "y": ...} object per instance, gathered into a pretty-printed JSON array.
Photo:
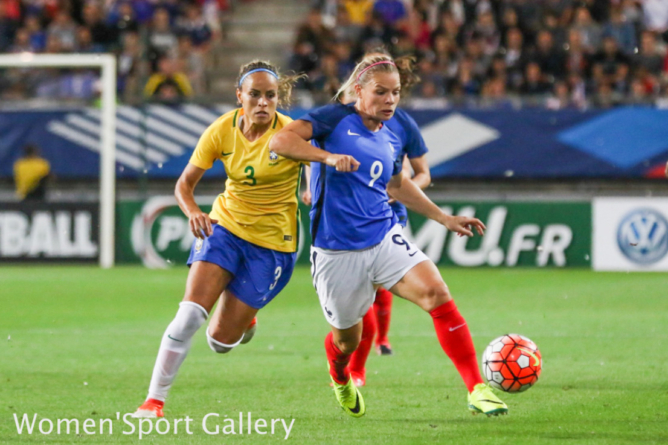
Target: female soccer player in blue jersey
[
  {"x": 357, "y": 243},
  {"x": 244, "y": 253},
  {"x": 376, "y": 321}
]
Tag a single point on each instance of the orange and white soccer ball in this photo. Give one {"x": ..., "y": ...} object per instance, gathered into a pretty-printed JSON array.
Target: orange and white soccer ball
[{"x": 512, "y": 363}]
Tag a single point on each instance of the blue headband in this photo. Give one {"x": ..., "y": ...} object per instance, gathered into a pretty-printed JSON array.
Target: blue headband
[{"x": 255, "y": 71}]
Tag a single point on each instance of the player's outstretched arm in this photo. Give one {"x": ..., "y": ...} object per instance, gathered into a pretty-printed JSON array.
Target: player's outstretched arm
[
  {"x": 292, "y": 142},
  {"x": 409, "y": 194},
  {"x": 185, "y": 195}
]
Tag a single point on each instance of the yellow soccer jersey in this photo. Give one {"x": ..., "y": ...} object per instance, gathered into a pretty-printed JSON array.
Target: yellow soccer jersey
[{"x": 260, "y": 200}]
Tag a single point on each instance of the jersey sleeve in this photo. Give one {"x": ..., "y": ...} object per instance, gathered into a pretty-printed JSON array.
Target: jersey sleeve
[
  {"x": 325, "y": 119},
  {"x": 398, "y": 164},
  {"x": 207, "y": 149},
  {"x": 414, "y": 144}
]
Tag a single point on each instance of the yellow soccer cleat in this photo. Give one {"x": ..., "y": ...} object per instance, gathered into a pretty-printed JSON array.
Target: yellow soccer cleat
[
  {"x": 483, "y": 400},
  {"x": 349, "y": 398}
]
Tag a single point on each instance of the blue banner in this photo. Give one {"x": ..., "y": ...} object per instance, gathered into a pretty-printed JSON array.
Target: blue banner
[{"x": 158, "y": 140}]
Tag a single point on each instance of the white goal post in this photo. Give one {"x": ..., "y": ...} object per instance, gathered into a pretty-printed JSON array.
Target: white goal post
[{"x": 107, "y": 65}]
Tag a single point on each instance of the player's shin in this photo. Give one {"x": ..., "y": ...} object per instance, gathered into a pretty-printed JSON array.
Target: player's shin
[
  {"x": 359, "y": 357},
  {"x": 174, "y": 347},
  {"x": 383, "y": 308},
  {"x": 455, "y": 339},
  {"x": 338, "y": 361}
]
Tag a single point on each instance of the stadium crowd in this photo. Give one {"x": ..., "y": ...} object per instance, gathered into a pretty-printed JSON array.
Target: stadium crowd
[
  {"x": 161, "y": 45},
  {"x": 491, "y": 53},
  {"x": 485, "y": 53}
]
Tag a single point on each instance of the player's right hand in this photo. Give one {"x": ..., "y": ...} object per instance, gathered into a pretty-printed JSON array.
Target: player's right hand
[
  {"x": 342, "y": 163},
  {"x": 201, "y": 225}
]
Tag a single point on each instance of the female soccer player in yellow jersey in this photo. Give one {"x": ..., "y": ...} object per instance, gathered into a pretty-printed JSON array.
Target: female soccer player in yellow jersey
[{"x": 252, "y": 228}]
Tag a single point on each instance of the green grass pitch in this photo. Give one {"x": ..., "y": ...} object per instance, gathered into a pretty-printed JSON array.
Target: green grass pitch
[{"x": 80, "y": 343}]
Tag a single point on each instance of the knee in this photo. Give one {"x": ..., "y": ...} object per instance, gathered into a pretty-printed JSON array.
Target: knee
[
  {"x": 218, "y": 346},
  {"x": 347, "y": 346},
  {"x": 433, "y": 296},
  {"x": 190, "y": 317}
]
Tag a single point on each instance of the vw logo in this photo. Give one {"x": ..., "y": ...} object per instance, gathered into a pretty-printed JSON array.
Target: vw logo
[{"x": 642, "y": 236}]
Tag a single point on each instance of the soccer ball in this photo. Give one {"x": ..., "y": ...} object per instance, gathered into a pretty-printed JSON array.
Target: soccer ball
[{"x": 511, "y": 363}]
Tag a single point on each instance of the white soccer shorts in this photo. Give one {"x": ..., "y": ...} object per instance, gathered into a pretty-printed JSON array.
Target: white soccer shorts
[{"x": 346, "y": 280}]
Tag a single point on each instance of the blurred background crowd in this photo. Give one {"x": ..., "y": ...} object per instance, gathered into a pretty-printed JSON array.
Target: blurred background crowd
[
  {"x": 484, "y": 53},
  {"x": 553, "y": 53}
]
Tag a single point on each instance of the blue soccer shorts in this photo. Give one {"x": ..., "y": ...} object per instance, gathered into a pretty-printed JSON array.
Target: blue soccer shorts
[{"x": 259, "y": 273}]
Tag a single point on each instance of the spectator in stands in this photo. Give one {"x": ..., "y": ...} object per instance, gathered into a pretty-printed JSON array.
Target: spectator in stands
[
  {"x": 590, "y": 31},
  {"x": 303, "y": 60},
  {"x": 123, "y": 20},
  {"x": 392, "y": 12},
  {"x": 358, "y": 11},
  {"x": 162, "y": 39},
  {"x": 36, "y": 32},
  {"x": 31, "y": 173},
  {"x": 486, "y": 30},
  {"x": 494, "y": 94},
  {"x": 428, "y": 94},
  {"x": 84, "y": 43},
  {"x": 622, "y": 30},
  {"x": 655, "y": 15},
  {"x": 534, "y": 84},
  {"x": 576, "y": 58},
  {"x": 475, "y": 53},
  {"x": 445, "y": 56},
  {"x": 22, "y": 42},
  {"x": 550, "y": 59},
  {"x": 129, "y": 62},
  {"x": 378, "y": 32},
  {"x": 195, "y": 26},
  {"x": 515, "y": 57},
  {"x": 64, "y": 29},
  {"x": 102, "y": 36},
  {"x": 345, "y": 30},
  {"x": 193, "y": 63},
  {"x": 639, "y": 94},
  {"x": 552, "y": 23},
  {"x": 560, "y": 97},
  {"x": 648, "y": 55},
  {"x": 314, "y": 33},
  {"x": 610, "y": 66},
  {"x": 325, "y": 81},
  {"x": 170, "y": 84},
  {"x": 450, "y": 28}
]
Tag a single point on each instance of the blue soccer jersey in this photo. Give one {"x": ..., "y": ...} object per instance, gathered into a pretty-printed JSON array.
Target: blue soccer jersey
[
  {"x": 412, "y": 145},
  {"x": 350, "y": 210}
]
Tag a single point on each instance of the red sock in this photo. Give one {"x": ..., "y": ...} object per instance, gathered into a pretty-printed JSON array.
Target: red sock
[
  {"x": 358, "y": 358},
  {"x": 338, "y": 361},
  {"x": 455, "y": 339},
  {"x": 383, "y": 308}
]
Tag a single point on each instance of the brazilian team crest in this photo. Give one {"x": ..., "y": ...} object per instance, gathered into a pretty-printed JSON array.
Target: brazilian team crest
[
  {"x": 198, "y": 244},
  {"x": 273, "y": 158}
]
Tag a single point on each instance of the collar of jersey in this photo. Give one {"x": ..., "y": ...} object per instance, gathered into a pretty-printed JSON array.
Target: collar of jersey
[
  {"x": 235, "y": 125},
  {"x": 361, "y": 121}
]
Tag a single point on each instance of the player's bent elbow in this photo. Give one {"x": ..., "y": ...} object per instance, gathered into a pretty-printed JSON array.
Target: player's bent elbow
[{"x": 279, "y": 143}]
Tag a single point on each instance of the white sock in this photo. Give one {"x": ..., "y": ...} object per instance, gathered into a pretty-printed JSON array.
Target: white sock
[{"x": 174, "y": 347}]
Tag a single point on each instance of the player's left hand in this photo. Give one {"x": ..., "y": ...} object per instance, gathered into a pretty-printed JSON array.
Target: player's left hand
[
  {"x": 463, "y": 225},
  {"x": 306, "y": 197}
]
